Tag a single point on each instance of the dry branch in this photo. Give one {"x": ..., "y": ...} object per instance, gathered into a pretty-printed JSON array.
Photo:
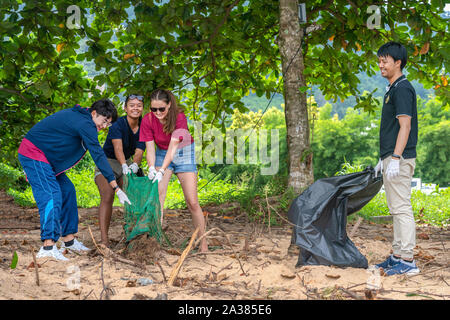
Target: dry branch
[
  {"x": 177, "y": 268},
  {"x": 229, "y": 243},
  {"x": 355, "y": 227},
  {"x": 36, "y": 266},
  {"x": 108, "y": 253}
]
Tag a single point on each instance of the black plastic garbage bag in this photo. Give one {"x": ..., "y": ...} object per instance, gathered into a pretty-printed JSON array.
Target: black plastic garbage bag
[{"x": 320, "y": 218}]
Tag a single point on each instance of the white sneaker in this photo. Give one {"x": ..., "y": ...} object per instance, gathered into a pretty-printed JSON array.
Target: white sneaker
[
  {"x": 54, "y": 253},
  {"x": 76, "y": 246}
]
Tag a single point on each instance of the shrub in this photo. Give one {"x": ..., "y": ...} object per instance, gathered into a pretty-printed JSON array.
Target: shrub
[{"x": 432, "y": 209}]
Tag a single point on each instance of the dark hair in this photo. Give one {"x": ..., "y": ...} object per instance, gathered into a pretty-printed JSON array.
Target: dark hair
[
  {"x": 106, "y": 108},
  {"x": 167, "y": 97},
  {"x": 396, "y": 50}
]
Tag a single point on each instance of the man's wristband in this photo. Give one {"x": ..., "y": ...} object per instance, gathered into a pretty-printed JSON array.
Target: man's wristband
[
  {"x": 396, "y": 156},
  {"x": 115, "y": 188}
]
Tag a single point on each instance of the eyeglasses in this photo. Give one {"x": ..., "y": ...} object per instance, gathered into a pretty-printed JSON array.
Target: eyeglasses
[
  {"x": 158, "y": 109},
  {"x": 133, "y": 96},
  {"x": 107, "y": 123}
]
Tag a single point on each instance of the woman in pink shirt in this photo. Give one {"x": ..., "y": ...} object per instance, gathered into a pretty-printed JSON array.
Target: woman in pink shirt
[{"x": 166, "y": 127}]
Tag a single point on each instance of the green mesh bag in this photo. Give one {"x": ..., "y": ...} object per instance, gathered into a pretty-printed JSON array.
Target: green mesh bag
[{"x": 144, "y": 213}]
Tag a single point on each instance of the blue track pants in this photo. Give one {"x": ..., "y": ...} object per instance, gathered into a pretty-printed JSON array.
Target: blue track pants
[{"x": 55, "y": 198}]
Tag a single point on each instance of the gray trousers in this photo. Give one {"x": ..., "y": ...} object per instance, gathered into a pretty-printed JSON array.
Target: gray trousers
[{"x": 398, "y": 197}]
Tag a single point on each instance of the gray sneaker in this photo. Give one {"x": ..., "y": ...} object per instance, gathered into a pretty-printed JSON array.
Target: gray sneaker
[{"x": 76, "y": 246}]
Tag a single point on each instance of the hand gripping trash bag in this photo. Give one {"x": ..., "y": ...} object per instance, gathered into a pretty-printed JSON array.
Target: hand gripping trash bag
[
  {"x": 320, "y": 218},
  {"x": 144, "y": 213}
]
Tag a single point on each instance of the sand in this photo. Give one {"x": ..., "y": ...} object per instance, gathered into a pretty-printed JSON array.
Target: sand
[{"x": 257, "y": 266}]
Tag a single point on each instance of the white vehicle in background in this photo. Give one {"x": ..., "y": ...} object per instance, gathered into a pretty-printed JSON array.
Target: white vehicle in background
[
  {"x": 426, "y": 188},
  {"x": 416, "y": 184}
]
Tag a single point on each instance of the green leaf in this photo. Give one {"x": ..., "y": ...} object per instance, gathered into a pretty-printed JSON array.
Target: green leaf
[
  {"x": 14, "y": 261},
  {"x": 303, "y": 89}
]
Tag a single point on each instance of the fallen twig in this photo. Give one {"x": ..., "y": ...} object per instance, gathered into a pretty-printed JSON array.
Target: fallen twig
[
  {"x": 355, "y": 227},
  {"x": 427, "y": 272},
  {"x": 211, "y": 252},
  {"x": 259, "y": 287},
  {"x": 351, "y": 294},
  {"x": 20, "y": 227},
  {"x": 282, "y": 218},
  {"x": 106, "y": 289},
  {"x": 162, "y": 271},
  {"x": 108, "y": 253},
  {"x": 417, "y": 293},
  {"x": 177, "y": 268},
  {"x": 217, "y": 291},
  {"x": 36, "y": 266},
  {"x": 95, "y": 243},
  {"x": 88, "y": 294},
  {"x": 268, "y": 210},
  {"x": 226, "y": 267},
  {"x": 229, "y": 243}
]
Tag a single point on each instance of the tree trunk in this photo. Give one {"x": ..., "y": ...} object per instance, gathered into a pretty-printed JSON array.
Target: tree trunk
[{"x": 296, "y": 112}]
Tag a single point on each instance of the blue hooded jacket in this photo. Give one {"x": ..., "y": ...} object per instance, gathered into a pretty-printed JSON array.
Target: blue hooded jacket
[{"x": 64, "y": 138}]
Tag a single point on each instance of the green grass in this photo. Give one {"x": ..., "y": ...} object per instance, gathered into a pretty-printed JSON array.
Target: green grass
[
  {"x": 216, "y": 192},
  {"x": 430, "y": 209}
]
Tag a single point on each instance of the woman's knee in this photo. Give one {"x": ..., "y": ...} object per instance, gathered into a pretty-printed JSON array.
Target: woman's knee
[{"x": 193, "y": 204}]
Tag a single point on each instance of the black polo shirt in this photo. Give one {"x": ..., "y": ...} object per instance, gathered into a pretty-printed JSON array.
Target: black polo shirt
[
  {"x": 130, "y": 141},
  {"x": 399, "y": 100}
]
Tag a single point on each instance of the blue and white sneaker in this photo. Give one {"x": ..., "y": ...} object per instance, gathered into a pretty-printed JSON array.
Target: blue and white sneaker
[
  {"x": 390, "y": 262},
  {"x": 403, "y": 267}
]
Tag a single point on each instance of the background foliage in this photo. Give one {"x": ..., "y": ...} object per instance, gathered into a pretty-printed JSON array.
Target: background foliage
[{"x": 221, "y": 58}]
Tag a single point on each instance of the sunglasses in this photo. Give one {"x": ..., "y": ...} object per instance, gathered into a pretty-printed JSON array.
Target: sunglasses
[
  {"x": 133, "y": 96},
  {"x": 158, "y": 109}
]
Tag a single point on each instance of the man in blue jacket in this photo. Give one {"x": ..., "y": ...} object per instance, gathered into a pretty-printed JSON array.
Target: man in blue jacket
[{"x": 53, "y": 146}]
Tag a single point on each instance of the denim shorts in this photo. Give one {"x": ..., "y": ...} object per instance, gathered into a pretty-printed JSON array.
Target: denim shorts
[{"x": 183, "y": 161}]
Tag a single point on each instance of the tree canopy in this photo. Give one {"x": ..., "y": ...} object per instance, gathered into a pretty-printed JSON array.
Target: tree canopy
[{"x": 209, "y": 52}]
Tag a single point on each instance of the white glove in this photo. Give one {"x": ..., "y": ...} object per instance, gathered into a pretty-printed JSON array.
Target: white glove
[
  {"x": 393, "y": 169},
  {"x": 159, "y": 175},
  {"x": 379, "y": 168},
  {"x": 134, "y": 167},
  {"x": 151, "y": 172},
  {"x": 125, "y": 169},
  {"x": 122, "y": 196}
]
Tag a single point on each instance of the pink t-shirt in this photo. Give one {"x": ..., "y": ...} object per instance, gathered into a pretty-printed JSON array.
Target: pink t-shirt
[
  {"x": 28, "y": 149},
  {"x": 152, "y": 129}
]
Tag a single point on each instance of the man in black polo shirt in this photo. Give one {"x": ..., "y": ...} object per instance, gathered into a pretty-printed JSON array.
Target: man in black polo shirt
[{"x": 398, "y": 139}]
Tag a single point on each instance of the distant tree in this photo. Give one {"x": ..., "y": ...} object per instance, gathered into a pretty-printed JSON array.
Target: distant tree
[
  {"x": 210, "y": 53},
  {"x": 353, "y": 139},
  {"x": 433, "y": 158},
  {"x": 433, "y": 152}
]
